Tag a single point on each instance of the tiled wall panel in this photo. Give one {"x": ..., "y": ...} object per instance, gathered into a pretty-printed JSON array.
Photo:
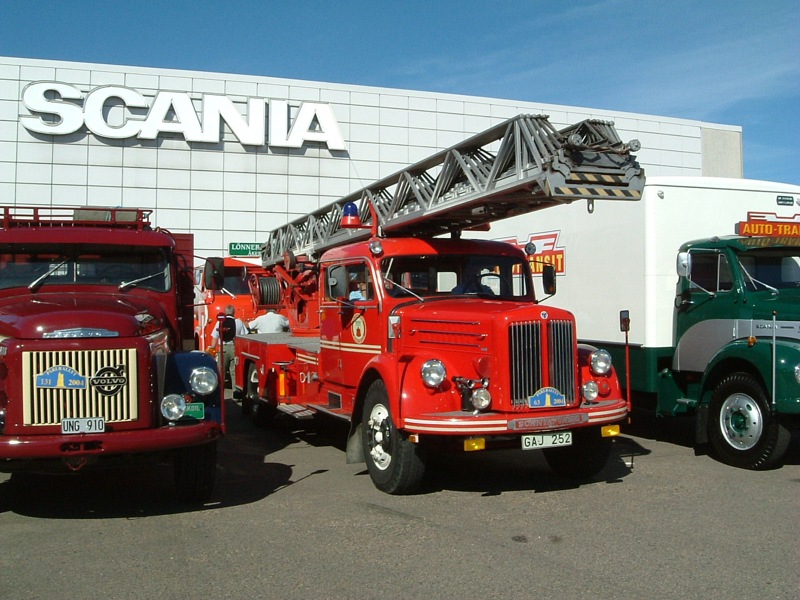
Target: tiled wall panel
[{"x": 226, "y": 192}]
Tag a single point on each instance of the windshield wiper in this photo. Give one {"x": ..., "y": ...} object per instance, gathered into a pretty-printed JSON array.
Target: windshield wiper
[
  {"x": 34, "y": 285},
  {"x": 403, "y": 288},
  {"x": 129, "y": 284},
  {"x": 756, "y": 282}
]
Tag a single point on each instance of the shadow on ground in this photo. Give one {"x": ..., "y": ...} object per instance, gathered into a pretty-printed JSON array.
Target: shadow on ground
[{"x": 244, "y": 475}]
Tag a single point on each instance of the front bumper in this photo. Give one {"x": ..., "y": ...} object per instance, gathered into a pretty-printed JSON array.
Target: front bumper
[
  {"x": 30, "y": 447},
  {"x": 494, "y": 423}
]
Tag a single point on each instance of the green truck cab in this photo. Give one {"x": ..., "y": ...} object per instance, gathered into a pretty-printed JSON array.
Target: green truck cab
[{"x": 736, "y": 359}]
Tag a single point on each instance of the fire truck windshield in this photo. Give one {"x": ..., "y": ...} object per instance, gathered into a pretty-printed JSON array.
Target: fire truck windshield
[
  {"x": 501, "y": 277},
  {"x": 236, "y": 280},
  {"x": 39, "y": 265}
]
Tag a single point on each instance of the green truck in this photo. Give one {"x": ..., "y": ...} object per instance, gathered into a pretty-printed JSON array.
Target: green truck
[{"x": 702, "y": 279}]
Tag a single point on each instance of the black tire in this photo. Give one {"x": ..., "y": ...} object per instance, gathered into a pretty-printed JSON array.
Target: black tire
[
  {"x": 195, "y": 472},
  {"x": 741, "y": 427},
  {"x": 585, "y": 458},
  {"x": 395, "y": 465},
  {"x": 250, "y": 395}
]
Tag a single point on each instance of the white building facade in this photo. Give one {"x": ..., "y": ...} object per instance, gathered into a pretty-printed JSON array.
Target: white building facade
[{"x": 230, "y": 157}]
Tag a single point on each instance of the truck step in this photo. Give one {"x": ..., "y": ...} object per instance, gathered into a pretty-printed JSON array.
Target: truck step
[
  {"x": 298, "y": 411},
  {"x": 687, "y": 402}
]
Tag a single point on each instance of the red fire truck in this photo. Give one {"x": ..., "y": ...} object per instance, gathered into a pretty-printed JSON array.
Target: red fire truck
[
  {"x": 426, "y": 343},
  {"x": 95, "y": 331},
  {"x": 234, "y": 291}
]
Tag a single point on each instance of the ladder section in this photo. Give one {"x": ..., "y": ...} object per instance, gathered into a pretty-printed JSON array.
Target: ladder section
[{"x": 516, "y": 167}]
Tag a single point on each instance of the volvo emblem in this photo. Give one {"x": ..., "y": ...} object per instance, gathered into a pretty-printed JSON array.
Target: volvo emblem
[{"x": 109, "y": 381}]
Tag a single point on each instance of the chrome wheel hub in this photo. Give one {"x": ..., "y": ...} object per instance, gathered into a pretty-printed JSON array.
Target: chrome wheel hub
[
  {"x": 379, "y": 437},
  {"x": 741, "y": 421}
]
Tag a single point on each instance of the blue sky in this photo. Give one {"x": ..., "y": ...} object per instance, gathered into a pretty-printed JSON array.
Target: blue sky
[{"x": 734, "y": 62}]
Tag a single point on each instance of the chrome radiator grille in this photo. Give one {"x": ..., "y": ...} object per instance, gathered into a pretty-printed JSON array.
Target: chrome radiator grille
[
  {"x": 528, "y": 374},
  {"x": 80, "y": 384}
]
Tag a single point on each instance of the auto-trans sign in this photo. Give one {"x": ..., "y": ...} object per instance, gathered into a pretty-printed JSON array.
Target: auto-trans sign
[
  {"x": 119, "y": 112},
  {"x": 769, "y": 225}
]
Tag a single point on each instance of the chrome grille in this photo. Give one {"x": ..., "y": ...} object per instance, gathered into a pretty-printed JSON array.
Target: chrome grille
[
  {"x": 527, "y": 370},
  {"x": 80, "y": 384}
]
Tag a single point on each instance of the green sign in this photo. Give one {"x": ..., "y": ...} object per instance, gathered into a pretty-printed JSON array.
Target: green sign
[
  {"x": 244, "y": 249},
  {"x": 195, "y": 410}
]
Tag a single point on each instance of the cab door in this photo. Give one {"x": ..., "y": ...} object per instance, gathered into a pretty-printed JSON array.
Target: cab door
[
  {"x": 706, "y": 308},
  {"x": 350, "y": 333}
]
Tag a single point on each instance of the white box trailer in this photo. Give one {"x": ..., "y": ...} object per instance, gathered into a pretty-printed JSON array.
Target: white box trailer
[
  {"x": 686, "y": 339},
  {"x": 628, "y": 249}
]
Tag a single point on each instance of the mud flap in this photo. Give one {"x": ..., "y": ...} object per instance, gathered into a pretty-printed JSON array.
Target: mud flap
[
  {"x": 355, "y": 449},
  {"x": 701, "y": 425}
]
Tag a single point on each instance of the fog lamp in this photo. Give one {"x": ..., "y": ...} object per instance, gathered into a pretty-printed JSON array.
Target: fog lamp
[
  {"x": 173, "y": 407},
  {"x": 590, "y": 391},
  {"x": 203, "y": 380},
  {"x": 472, "y": 444},
  {"x": 481, "y": 398}
]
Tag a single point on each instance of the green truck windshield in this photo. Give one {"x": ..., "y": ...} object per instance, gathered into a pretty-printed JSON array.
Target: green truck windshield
[{"x": 770, "y": 268}]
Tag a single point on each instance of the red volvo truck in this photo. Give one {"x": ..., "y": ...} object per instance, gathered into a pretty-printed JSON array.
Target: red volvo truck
[
  {"x": 426, "y": 343},
  {"x": 96, "y": 320}
]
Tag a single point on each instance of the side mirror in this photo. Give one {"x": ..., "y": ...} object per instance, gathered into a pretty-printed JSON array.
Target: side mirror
[
  {"x": 214, "y": 274},
  {"x": 336, "y": 281},
  {"x": 683, "y": 264},
  {"x": 549, "y": 279}
]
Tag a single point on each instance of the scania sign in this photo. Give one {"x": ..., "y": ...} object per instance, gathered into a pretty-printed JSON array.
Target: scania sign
[{"x": 118, "y": 112}]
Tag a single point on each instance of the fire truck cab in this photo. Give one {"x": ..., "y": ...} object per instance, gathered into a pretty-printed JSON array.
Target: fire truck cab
[{"x": 211, "y": 301}]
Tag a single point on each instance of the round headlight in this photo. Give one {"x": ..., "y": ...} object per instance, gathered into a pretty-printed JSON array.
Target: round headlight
[
  {"x": 601, "y": 362},
  {"x": 203, "y": 380},
  {"x": 433, "y": 373},
  {"x": 375, "y": 247},
  {"x": 173, "y": 407},
  {"x": 590, "y": 391},
  {"x": 481, "y": 398}
]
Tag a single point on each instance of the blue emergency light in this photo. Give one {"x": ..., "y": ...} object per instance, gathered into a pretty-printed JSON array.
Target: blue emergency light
[{"x": 350, "y": 216}]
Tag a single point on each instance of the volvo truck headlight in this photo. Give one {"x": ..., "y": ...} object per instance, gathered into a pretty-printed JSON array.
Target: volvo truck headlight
[
  {"x": 601, "y": 362},
  {"x": 433, "y": 373},
  {"x": 173, "y": 406},
  {"x": 203, "y": 380}
]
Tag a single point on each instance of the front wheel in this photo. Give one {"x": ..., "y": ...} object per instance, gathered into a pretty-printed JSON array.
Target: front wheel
[
  {"x": 584, "y": 459},
  {"x": 741, "y": 428},
  {"x": 395, "y": 465}
]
